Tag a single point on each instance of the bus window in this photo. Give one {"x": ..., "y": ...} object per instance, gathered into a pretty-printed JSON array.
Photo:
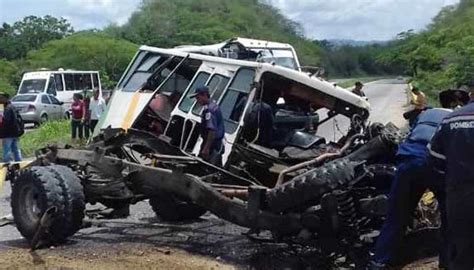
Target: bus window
[
  {"x": 143, "y": 74},
  {"x": 79, "y": 82},
  {"x": 95, "y": 80},
  {"x": 87, "y": 81},
  {"x": 181, "y": 78},
  {"x": 69, "y": 81},
  {"x": 158, "y": 77},
  {"x": 216, "y": 86},
  {"x": 55, "y": 84},
  {"x": 58, "y": 80},
  {"x": 51, "y": 86},
  {"x": 233, "y": 103},
  {"x": 199, "y": 81}
]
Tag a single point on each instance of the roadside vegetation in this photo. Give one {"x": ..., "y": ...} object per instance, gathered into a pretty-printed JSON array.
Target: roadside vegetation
[{"x": 54, "y": 132}]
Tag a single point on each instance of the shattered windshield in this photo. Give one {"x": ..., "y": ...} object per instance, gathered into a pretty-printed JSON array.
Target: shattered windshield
[{"x": 32, "y": 86}]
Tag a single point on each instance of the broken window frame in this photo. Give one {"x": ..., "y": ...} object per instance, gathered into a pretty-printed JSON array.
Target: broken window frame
[
  {"x": 231, "y": 125},
  {"x": 213, "y": 91}
]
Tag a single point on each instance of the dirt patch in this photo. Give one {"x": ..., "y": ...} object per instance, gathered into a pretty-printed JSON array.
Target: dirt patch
[{"x": 130, "y": 256}]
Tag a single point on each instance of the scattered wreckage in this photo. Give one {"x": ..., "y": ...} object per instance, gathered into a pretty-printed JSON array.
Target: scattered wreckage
[{"x": 294, "y": 182}]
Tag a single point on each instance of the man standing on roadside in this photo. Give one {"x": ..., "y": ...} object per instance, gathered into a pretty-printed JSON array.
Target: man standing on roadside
[
  {"x": 418, "y": 100},
  {"x": 10, "y": 131},
  {"x": 358, "y": 89},
  {"x": 212, "y": 127},
  {"x": 97, "y": 107},
  {"x": 452, "y": 153}
]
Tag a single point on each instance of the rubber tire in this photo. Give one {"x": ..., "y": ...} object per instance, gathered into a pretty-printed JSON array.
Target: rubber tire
[
  {"x": 307, "y": 189},
  {"x": 170, "y": 208},
  {"x": 54, "y": 185},
  {"x": 43, "y": 119}
]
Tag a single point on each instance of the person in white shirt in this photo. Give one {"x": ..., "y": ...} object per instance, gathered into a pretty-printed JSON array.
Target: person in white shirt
[{"x": 97, "y": 107}]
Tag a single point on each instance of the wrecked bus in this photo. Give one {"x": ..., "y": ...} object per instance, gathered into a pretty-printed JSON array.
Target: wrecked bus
[{"x": 147, "y": 143}]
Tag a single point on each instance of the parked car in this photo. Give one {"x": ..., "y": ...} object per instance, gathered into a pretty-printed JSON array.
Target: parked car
[{"x": 38, "y": 108}]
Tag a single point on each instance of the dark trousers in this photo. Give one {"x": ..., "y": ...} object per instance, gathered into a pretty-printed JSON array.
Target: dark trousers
[
  {"x": 93, "y": 124},
  {"x": 413, "y": 177},
  {"x": 460, "y": 208},
  {"x": 86, "y": 125},
  {"x": 76, "y": 128}
]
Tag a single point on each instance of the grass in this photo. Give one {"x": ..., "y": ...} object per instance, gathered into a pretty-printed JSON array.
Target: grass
[{"x": 54, "y": 132}]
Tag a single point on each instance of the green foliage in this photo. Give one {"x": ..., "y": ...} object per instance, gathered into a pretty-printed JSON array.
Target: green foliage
[
  {"x": 30, "y": 33},
  {"x": 442, "y": 56},
  {"x": 57, "y": 132},
  {"x": 85, "y": 51},
  {"x": 165, "y": 23},
  {"x": 8, "y": 75},
  {"x": 350, "y": 61}
]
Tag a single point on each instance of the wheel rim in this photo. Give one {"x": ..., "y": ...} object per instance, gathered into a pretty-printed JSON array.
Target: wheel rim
[
  {"x": 30, "y": 207},
  {"x": 44, "y": 119}
]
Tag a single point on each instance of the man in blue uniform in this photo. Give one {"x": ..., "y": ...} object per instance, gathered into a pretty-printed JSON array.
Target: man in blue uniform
[
  {"x": 452, "y": 152},
  {"x": 414, "y": 175},
  {"x": 212, "y": 127}
]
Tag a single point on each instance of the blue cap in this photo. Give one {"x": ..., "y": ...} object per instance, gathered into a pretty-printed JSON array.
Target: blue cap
[{"x": 200, "y": 90}]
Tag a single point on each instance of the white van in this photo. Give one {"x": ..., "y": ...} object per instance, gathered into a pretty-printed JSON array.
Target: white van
[{"x": 61, "y": 83}]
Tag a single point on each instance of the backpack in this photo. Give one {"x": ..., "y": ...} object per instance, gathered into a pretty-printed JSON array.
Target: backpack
[{"x": 18, "y": 125}]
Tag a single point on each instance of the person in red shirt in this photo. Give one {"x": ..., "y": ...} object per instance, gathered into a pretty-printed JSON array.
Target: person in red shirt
[{"x": 77, "y": 117}]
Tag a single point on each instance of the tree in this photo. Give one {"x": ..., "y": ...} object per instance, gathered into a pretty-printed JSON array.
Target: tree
[
  {"x": 86, "y": 51},
  {"x": 30, "y": 33},
  {"x": 8, "y": 77},
  {"x": 164, "y": 23}
]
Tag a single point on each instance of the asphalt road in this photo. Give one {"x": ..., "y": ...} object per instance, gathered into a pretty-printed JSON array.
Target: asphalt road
[
  {"x": 387, "y": 100},
  {"x": 211, "y": 237}
]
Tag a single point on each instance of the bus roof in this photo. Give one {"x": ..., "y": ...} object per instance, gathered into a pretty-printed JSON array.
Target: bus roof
[
  {"x": 311, "y": 81},
  {"x": 42, "y": 74}
]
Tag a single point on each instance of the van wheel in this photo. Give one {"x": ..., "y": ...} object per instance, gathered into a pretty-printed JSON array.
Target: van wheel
[
  {"x": 170, "y": 208},
  {"x": 67, "y": 116},
  {"x": 39, "y": 188},
  {"x": 44, "y": 119}
]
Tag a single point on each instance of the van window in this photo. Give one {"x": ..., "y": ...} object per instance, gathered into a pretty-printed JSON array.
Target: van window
[
  {"x": 32, "y": 86},
  {"x": 233, "y": 103},
  {"x": 55, "y": 84},
  {"x": 87, "y": 81},
  {"x": 58, "y": 80},
  {"x": 95, "y": 80},
  {"x": 199, "y": 81},
  {"x": 216, "y": 86},
  {"x": 69, "y": 81},
  {"x": 82, "y": 81}
]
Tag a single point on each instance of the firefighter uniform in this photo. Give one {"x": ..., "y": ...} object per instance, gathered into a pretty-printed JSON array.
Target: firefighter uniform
[
  {"x": 412, "y": 178},
  {"x": 452, "y": 152}
]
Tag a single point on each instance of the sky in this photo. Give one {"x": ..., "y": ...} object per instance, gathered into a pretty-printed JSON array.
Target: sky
[{"x": 321, "y": 19}]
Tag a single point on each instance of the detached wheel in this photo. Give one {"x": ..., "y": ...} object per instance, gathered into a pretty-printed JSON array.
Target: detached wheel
[
  {"x": 170, "y": 208},
  {"x": 37, "y": 189}
]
